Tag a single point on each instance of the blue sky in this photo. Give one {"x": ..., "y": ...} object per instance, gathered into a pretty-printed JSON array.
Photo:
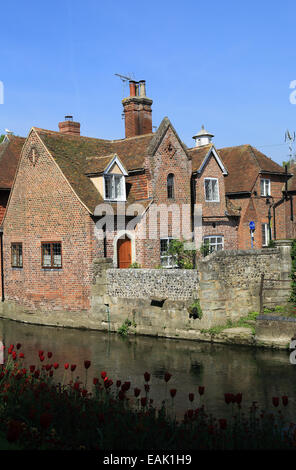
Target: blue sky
[{"x": 227, "y": 65}]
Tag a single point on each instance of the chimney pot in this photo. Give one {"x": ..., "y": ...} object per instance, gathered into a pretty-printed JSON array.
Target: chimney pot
[
  {"x": 132, "y": 85},
  {"x": 142, "y": 84}
]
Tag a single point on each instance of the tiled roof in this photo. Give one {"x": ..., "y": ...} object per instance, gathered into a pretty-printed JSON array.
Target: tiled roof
[
  {"x": 243, "y": 163},
  {"x": 198, "y": 155},
  {"x": 77, "y": 155},
  {"x": 10, "y": 151}
]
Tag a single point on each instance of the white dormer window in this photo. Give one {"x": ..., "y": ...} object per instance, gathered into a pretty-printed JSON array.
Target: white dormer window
[
  {"x": 211, "y": 190},
  {"x": 265, "y": 187},
  {"x": 114, "y": 187}
]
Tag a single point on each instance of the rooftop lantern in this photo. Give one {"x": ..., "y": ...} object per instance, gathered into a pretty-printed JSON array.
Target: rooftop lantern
[{"x": 203, "y": 137}]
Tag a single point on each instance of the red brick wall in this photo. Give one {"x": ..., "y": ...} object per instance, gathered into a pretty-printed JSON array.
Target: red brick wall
[
  {"x": 137, "y": 185},
  {"x": 215, "y": 222},
  {"x": 162, "y": 163},
  {"x": 290, "y": 225},
  {"x": 255, "y": 208},
  {"x": 43, "y": 207}
]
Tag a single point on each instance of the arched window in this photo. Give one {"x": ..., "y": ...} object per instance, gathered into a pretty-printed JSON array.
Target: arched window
[{"x": 170, "y": 185}]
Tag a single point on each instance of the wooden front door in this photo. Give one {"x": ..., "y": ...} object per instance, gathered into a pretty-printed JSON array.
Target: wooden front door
[{"x": 124, "y": 252}]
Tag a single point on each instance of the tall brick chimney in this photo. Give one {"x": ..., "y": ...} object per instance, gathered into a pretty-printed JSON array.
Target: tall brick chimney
[
  {"x": 68, "y": 126},
  {"x": 137, "y": 110}
]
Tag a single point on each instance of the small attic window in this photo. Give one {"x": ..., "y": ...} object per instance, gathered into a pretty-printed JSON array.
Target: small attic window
[{"x": 114, "y": 186}]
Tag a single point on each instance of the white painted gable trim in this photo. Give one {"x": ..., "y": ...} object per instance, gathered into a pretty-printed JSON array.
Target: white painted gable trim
[
  {"x": 218, "y": 160},
  {"x": 116, "y": 160}
]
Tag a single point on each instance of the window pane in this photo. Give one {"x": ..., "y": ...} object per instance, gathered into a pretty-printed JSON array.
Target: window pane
[
  {"x": 215, "y": 190},
  {"x": 262, "y": 188},
  {"x": 108, "y": 187},
  {"x": 118, "y": 186},
  {"x": 57, "y": 254},
  {"x": 208, "y": 190},
  {"x": 46, "y": 254},
  {"x": 16, "y": 255},
  {"x": 170, "y": 186}
]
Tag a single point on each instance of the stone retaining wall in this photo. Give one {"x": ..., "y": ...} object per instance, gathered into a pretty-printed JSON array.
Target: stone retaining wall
[
  {"x": 275, "y": 331},
  {"x": 173, "y": 284}
]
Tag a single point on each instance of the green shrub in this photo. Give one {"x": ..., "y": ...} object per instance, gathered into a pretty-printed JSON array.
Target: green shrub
[
  {"x": 205, "y": 248},
  {"x": 135, "y": 266},
  {"x": 185, "y": 259},
  {"x": 195, "y": 310},
  {"x": 125, "y": 327}
]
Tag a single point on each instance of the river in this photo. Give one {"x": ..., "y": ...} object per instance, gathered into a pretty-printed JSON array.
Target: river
[{"x": 259, "y": 374}]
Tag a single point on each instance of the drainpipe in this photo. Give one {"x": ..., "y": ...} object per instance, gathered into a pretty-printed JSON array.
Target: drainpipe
[{"x": 2, "y": 267}]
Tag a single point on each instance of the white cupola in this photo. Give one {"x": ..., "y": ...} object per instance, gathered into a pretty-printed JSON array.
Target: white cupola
[{"x": 203, "y": 137}]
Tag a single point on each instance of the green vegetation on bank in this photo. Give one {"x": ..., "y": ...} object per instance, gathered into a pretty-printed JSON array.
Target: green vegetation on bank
[{"x": 246, "y": 322}]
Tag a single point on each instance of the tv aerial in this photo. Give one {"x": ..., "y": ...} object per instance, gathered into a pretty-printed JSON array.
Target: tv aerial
[{"x": 290, "y": 138}]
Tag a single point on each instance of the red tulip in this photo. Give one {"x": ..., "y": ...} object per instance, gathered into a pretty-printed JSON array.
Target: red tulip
[
  {"x": 223, "y": 423},
  {"x": 143, "y": 401},
  {"x": 41, "y": 358},
  {"x": 147, "y": 376},
  {"x": 238, "y": 398},
  {"x": 32, "y": 368},
  {"x": 125, "y": 386},
  {"x": 95, "y": 381},
  {"x": 40, "y": 353},
  {"x": 137, "y": 392},
  {"x": 173, "y": 392},
  {"x": 201, "y": 390},
  {"x": 49, "y": 355},
  {"x": 73, "y": 367},
  {"x": 36, "y": 374},
  {"x": 66, "y": 365},
  {"x": 18, "y": 346},
  {"x": 14, "y": 355},
  {"x": 108, "y": 383},
  {"x": 275, "y": 401},
  {"x": 191, "y": 396},
  {"x": 55, "y": 365},
  {"x": 121, "y": 395},
  {"x": 228, "y": 398},
  {"x": 21, "y": 355},
  {"x": 167, "y": 376},
  {"x": 103, "y": 374},
  {"x": 147, "y": 388},
  {"x": 84, "y": 392},
  {"x": 285, "y": 400},
  {"x": 118, "y": 383},
  {"x": 87, "y": 364},
  {"x": 50, "y": 373}
]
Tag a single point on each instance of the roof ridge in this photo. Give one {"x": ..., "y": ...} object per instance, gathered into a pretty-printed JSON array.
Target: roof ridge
[{"x": 48, "y": 131}]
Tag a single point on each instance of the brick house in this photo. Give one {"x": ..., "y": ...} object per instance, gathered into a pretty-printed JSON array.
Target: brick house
[
  {"x": 68, "y": 188},
  {"x": 255, "y": 186}
]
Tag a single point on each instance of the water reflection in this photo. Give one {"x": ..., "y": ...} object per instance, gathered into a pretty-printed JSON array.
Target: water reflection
[{"x": 258, "y": 374}]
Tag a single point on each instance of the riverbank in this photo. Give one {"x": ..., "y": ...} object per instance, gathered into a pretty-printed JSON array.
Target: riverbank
[{"x": 268, "y": 331}]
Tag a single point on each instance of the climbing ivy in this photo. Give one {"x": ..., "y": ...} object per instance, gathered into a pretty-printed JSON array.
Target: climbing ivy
[{"x": 293, "y": 273}]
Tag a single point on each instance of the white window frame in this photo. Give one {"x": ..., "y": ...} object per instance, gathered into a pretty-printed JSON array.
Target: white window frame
[
  {"x": 214, "y": 244},
  {"x": 266, "y": 234},
  {"x": 265, "y": 189},
  {"x": 112, "y": 176},
  {"x": 212, "y": 179},
  {"x": 170, "y": 264}
]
